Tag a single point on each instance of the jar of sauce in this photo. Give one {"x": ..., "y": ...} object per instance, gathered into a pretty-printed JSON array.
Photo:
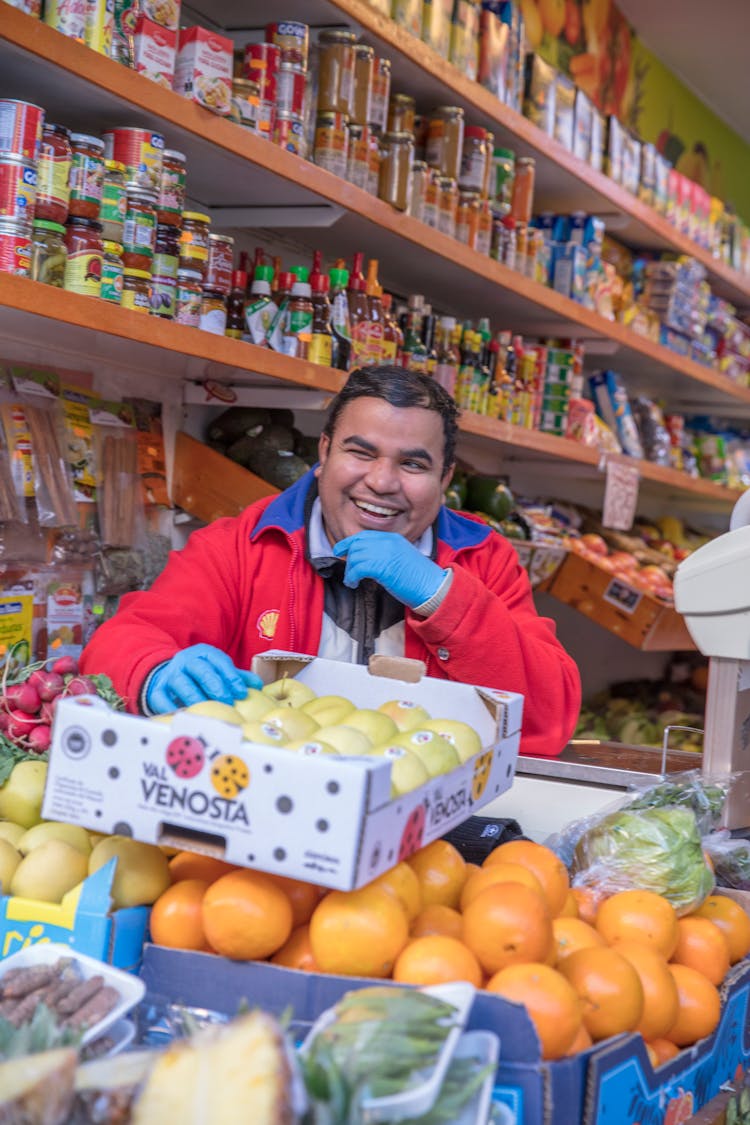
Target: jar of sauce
[
  {"x": 397, "y": 157},
  {"x": 83, "y": 266},
  {"x": 136, "y": 290},
  {"x": 402, "y": 110},
  {"x": 474, "y": 160},
  {"x": 380, "y": 95},
  {"x": 358, "y": 160},
  {"x": 431, "y": 199},
  {"x": 420, "y": 176},
  {"x": 53, "y": 174},
  {"x": 164, "y": 271},
  {"x": 171, "y": 198},
  {"x": 139, "y": 233},
  {"x": 522, "y": 199},
  {"x": 194, "y": 241},
  {"x": 48, "y": 253},
  {"x": 336, "y": 71},
  {"x": 467, "y": 218},
  {"x": 445, "y": 138},
  {"x": 447, "y": 205},
  {"x": 364, "y": 65},
  {"x": 220, "y": 263},
  {"x": 189, "y": 297},
  {"x": 484, "y": 229},
  {"x": 112, "y": 272},
  {"x": 86, "y": 176},
  {"x": 213, "y": 314},
  {"x": 114, "y": 201},
  {"x": 331, "y": 143}
]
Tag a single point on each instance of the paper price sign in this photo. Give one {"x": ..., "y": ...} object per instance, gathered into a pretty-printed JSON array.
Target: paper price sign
[{"x": 620, "y": 495}]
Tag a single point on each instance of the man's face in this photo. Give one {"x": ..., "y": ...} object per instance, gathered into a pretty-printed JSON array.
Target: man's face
[{"x": 382, "y": 470}]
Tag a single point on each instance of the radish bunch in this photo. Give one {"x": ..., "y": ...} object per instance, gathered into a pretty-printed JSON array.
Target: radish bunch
[{"x": 27, "y": 706}]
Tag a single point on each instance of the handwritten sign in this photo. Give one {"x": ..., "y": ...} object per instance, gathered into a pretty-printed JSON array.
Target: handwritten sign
[{"x": 620, "y": 495}]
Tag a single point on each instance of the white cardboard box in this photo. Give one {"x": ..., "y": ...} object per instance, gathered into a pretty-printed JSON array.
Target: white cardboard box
[{"x": 326, "y": 819}]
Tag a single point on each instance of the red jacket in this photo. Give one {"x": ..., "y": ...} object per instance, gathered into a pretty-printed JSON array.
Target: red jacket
[{"x": 245, "y": 586}]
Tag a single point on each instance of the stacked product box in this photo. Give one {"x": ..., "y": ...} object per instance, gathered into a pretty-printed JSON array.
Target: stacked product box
[{"x": 559, "y": 372}]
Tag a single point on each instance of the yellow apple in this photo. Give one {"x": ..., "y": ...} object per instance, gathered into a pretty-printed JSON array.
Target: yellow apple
[
  {"x": 328, "y": 709},
  {"x": 142, "y": 872},
  {"x": 265, "y": 733},
  {"x": 311, "y": 747},
  {"x": 405, "y": 714},
  {"x": 72, "y": 834},
  {"x": 436, "y": 754},
  {"x": 460, "y": 735},
  {"x": 377, "y": 726},
  {"x": 11, "y": 832},
  {"x": 212, "y": 709},
  {"x": 289, "y": 692},
  {"x": 49, "y": 872},
  {"x": 9, "y": 861},
  {"x": 291, "y": 722},
  {"x": 407, "y": 770},
  {"x": 21, "y": 796},
  {"x": 346, "y": 740},
  {"x": 254, "y": 706}
]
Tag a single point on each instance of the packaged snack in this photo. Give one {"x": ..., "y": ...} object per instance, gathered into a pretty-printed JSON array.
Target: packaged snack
[
  {"x": 565, "y": 96},
  {"x": 494, "y": 43},
  {"x": 436, "y": 25},
  {"x": 204, "y": 69},
  {"x": 583, "y": 113},
  {"x": 464, "y": 46},
  {"x": 154, "y": 51},
  {"x": 616, "y": 141},
  {"x": 613, "y": 406},
  {"x": 539, "y": 93},
  {"x": 596, "y": 153},
  {"x": 655, "y": 439}
]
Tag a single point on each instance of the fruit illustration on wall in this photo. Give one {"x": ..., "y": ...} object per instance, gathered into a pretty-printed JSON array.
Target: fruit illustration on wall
[
  {"x": 229, "y": 776},
  {"x": 411, "y": 837},
  {"x": 186, "y": 756}
]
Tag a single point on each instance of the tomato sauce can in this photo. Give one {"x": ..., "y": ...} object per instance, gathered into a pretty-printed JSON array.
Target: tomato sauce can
[
  {"x": 292, "y": 39},
  {"x": 15, "y": 248},
  {"x": 220, "y": 263},
  {"x": 290, "y": 91},
  {"x": 20, "y": 129},
  {"x": 289, "y": 133},
  {"x": 17, "y": 191},
  {"x": 261, "y": 64},
  {"x": 141, "y": 151}
]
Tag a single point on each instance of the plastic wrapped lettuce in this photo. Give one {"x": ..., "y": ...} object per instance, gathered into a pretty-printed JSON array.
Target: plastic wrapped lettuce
[{"x": 653, "y": 849}]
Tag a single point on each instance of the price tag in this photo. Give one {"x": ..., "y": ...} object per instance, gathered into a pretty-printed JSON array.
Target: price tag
[{"x": 620, "y": 495}]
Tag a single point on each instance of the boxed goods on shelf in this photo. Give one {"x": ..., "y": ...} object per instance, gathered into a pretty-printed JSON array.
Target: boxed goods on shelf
[{"x": 254, "y": 805}]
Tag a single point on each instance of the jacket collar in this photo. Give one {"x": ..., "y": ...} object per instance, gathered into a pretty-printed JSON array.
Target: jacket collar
[{"x": 287, "y": 513}]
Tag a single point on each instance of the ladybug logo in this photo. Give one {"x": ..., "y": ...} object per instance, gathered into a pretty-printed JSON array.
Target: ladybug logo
[
  {"x": 482, "y": 770},
  {"x": 186, "y": 756},
  {"x": 413, "y": 834},
  {"x": 229, "y": 776},
  {"x": 266, "y": 624}
]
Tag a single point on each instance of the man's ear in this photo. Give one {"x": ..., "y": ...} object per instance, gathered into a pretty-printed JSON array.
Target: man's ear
[
  {"x": 448, "y": 476},
  {"x": 324, "y": 444}
]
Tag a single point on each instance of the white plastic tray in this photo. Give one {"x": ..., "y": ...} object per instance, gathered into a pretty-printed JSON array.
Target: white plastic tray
[
  {"x": 121, "y": 1033},
  {"x": 131, "y": 988},
  {"x": 484, "y": 1046}
]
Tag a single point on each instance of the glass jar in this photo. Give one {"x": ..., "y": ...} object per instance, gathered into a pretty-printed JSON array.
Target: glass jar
[
  {"x": 245, "y": 106},
  {"x": 336, "y": 71},
  {"x": 420, "y": 176},
  {"x": 484, "y": 228},
  {"x": 490, "y": 141},
  {"x": 164, "y": 271},
  {"x": 194, "y": 241},
  {"x": 522, "y": 199},
  {"x": 83, "y": 266},
  {"x": 431, "y": 199},
  {"x": 358, "y": 158},
  {"x": 48, "y": 253},
  {"x": 86, "y": 176},
  {"x": 501, "y": 180},
  {"x": 397, "y": 157},
  {"x": 447, "y": 205},
  {"x": 114, "y": 201},
  {"x": 136, "y": 290},
  {"x": 373, "y": 161},
  {"x": 474, "y": 158},
  {"x": 381, "y": 95},
  {"x": 467, "y": 218},
  {"x": 189, "y": 297},
  {"x": 171, "y": 198},
  {"x": 364, "y": 66},
  {"x": 220, "y": 263},
  {"x": 53, "y": 174},
  {"x": 445, "y": 139},
  {"x": 139, "y": 233},
  {"x": 213, "y": 317},
  {"x": 331, "y": 143},
  {"x": 402, "y": 110},
  {"x": 112, "y": 271}
]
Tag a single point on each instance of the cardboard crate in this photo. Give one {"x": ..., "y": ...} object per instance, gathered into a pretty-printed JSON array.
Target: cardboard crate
[
  {"x": 84, "y": 920},
  {"x": 638, "y": 618},
  {"x": 329, "y": 820}
]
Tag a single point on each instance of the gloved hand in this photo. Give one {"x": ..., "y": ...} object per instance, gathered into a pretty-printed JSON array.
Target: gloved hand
[
  {"x": 393, "y": 562},
  {"x": 195, "y": 674}
]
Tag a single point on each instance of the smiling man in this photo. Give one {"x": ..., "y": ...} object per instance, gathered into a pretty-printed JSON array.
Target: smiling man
[{"x": 358, "y": 557}]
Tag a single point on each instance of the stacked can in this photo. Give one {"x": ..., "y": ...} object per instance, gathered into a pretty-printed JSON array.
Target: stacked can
[
  {"x": 292, "y": 40},
  {"x": 169, "y": 212},
  {"x": 261, "y": 65},
  {"x": 20, "y": 142}
]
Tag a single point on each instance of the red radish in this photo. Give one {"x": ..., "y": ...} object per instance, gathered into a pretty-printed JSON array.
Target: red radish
[
  {"x": 20, "y": 723},
  {"x": 81, "y": 685},
  {"x": 49, "y": 685},
  {"x": 65, "y": 665},
  {"x": 4, "y": 719},
  {"x": 24, "y": 697},
  {"x": 39, "y": 739},
  {"x": 47, "y": 712}
]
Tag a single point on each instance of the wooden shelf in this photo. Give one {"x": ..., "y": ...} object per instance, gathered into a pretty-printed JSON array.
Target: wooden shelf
[
  {"x": 62, "y": 325},
  {"x": 230, "y": 170}
]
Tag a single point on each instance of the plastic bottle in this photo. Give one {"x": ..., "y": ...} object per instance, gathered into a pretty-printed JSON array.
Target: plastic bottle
[
  {"x": 359, "y": 314},
  {"x": 414, "y": 352},
  {"x": 298, "y": 316},
  {"x": 374, "y": 291},
  {"x": 236, "y": 302},
  {"x": 469, "y": 343},
  {"x": 260, "y": 309},
  {"x": 321, "y": 344},
  {"x": 429, "y": 324},
  {"x": 448, "y": 356},
  {"x": 393, "y": 337},
  {"x": 275, "y": 334},
  {"x": 340, "y": 323}
]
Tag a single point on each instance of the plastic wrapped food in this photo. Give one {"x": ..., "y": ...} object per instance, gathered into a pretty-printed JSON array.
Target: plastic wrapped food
[{"x": 653, "y": 432}]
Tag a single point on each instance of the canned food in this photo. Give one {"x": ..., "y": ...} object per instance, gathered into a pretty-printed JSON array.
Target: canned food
[
  {"x": 292, "y": 39},
  {"x": 245, "y": 106},
  {"x": 86, "y": 176},
  {"x": 112, "y": 271},
  {"x": 220, "y": 263},
  {"x": 140, "y": 150},
  {"x": 380, "y": 95},
  {"x": 331, "y": 143},
  {"x": 171, "y": 200},
  {"x": 136, "y": 290},
  {"x": 100, "y": 25},
  {"x": 20, "y": 129},
  {"x": 17, "y": 191},
  {"x": 15, "y": 248},
  {"x": 188, "y": 298},
  {"x": 67, "y": 17},
  {"x": 289, "y": 133},
  {"x": 266, "y": 118},
  {"x": 290, "y": 91},
  {"x": 358, "y": 159},
  {"x": 53, "y": 174},
  {"x": 139, "y": 232},
  {"x": 261, "y": 62},
  {"x": 194, "y": 242}
]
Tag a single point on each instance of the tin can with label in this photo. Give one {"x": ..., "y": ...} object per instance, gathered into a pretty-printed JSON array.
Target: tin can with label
[
  {"x": 67, "y": 17},
  {"x": 20, "y": 129},
  {"x": 261, "y": 63},
  {"x": 15, "y": 248},
  {"x": 289, "y": 133},
  {"x": 245, "y": 109},
  {"x": 293, "y": 41},
  {"x": 172, "y": 187},
  {"x": 112, "y": 271},
  {"x": 100, "y": 25},
  {"x": 114, "y": 201},
  {"x": 17, "y": 191},
  {"x": 290, "y": 91},
  {"x": 220, "y": 263},
  {"x": 141, "y": 151}
]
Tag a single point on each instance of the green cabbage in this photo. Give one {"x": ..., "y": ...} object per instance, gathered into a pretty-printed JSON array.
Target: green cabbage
[{"x": 656, "y": 849}]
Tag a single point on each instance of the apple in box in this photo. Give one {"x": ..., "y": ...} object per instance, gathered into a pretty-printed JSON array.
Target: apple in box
[
  {"x": 154, "y": 51},
  {"x": 204, "y": 68}
]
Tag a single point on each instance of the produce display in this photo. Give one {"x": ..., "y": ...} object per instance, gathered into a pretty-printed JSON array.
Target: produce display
[{"x": 638, "y": 713}]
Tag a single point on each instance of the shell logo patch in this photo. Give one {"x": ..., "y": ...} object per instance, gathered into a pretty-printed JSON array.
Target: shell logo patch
[
  {"x": 266, "y": 624},
  {"x": 229, "y": 776}
]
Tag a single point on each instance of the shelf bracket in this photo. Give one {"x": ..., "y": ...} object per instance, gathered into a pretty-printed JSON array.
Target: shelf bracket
[{"x": 248, "y": 218}]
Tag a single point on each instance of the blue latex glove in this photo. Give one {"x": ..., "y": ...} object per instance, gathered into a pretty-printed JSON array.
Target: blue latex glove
[
  {"x": 195, "y": 674},
  {"x": 393, "y": 562}
]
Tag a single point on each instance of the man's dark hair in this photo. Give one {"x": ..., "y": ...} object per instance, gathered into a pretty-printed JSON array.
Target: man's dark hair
[{"x": 399, "y": 387}]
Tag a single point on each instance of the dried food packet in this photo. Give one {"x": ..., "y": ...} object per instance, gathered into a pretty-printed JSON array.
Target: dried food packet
[
  {"x": 117, "y": 478},
  {"x": 12, "y": 508},
  {"x": 38, "y": 401}
]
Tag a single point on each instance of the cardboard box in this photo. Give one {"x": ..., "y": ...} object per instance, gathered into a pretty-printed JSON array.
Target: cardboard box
[
  {"x": 83, "y": 920},
  {"x": 326, "y": 819},
  {"x": 154, "y": 51},
  {"x": 203, "y": 71}
]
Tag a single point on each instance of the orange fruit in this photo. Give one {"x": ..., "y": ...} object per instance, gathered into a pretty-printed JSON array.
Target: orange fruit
[
  {"x": 702, "y": 946},
  {"x": 570, "y": 906},
  {"x": 358, "y": 933},
  {"x": 498, "y": 873},
  {"x": 699, "y": 1006},
  {"x": 402, "y": 881},
  {"x": 507, "y": 923},
  {"x": 659, "y": 988},
  {"x": 732, "y": 920},
  {"x": 246, "y": 916},
  {"x": 191, "y": 865},
  {"x": 588, "y": 902},
  {"x": 572, "y": 934},
  {"x": 610, "y": 990},
  {"x": 177, "y": 918},
  {"x": 663, "y": 1049},
  {"x": 304, "y": 897},
  {"x": 581, "y": 1042},
  {"x": 639, "y": 916},
  {"x": 552, "y": 1004},
  {"x": 441, "y": 871},
  {"x": 548, "y": 868},
  {"x": 438, "y": 919},
  {"x": 653, "y": 1058},
  {"x": 296, "y": 953},
  {"x": 437, "y": 960}
]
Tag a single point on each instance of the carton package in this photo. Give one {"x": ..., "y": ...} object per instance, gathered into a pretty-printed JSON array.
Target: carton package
[
  {"x": 613, "y": 407},
  {"x": 154, "y": 51},
  {"x": 327, "y": 819},
  {"x": 565, "y": 97},
  {"x": 540, "y": 89},
  {"x": 436, "y": 25},
  {"x": 203, "y": 71},
  {"x": 582, "y": 125},
  {"x": 164, "y": 12}
]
